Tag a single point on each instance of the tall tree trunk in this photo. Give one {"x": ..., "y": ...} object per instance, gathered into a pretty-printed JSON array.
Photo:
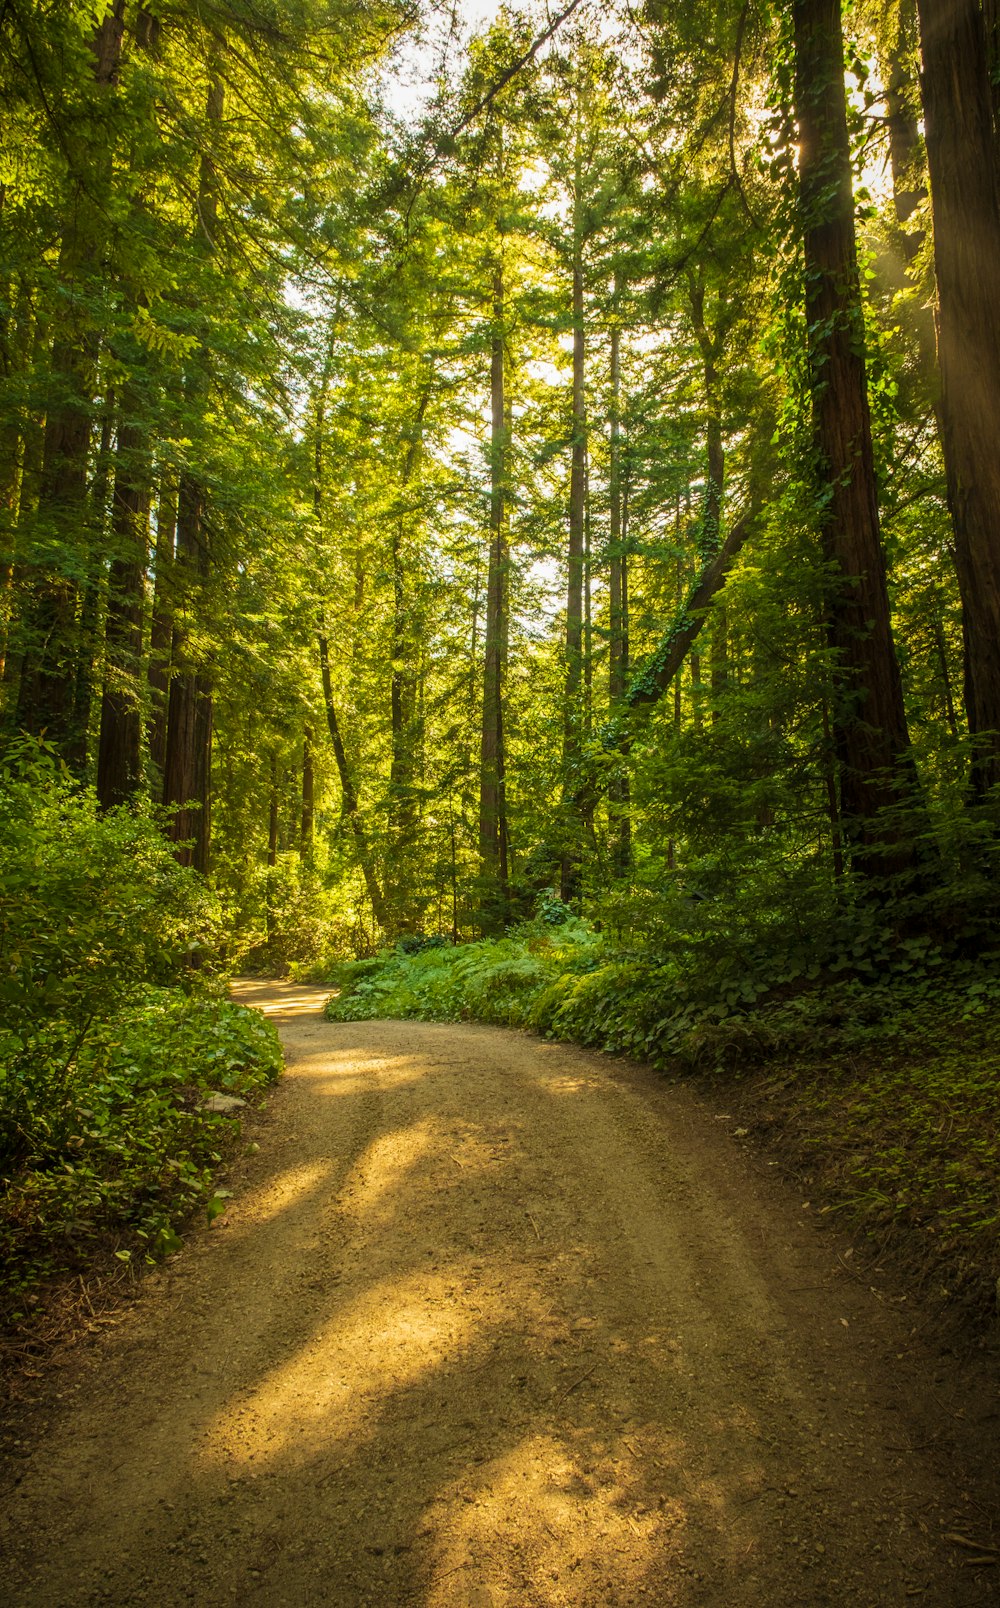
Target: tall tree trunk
[
  {"x": 492, "y": 779},
  {"x": 869, "y": 722},
  {"x": 119, "y": 758},
  {"x": 272, "y": 813},
  {"x": 48, "y": 672},
  {"x": 92, "y": 601},
  {"x": 618, "y": 654},
  {"x": 903, "y": 118},
  {"x": 571, "y": 869},
  {"x": 20, "y": 334},
  {"x": 161, "y": 627},
  {"x": 965, "y": 196},
  {"x": 403, "y": 676},
  {"x": 187, "y": 774},
  {"x": 710, "y": 344},
  {"x": 991, "y": 20},
  {"x": 308, "y": 798},
  {"x": 906, "y": 159},
  {"x": 187, "y": 762},
  {"x": 350, "y": 808}
]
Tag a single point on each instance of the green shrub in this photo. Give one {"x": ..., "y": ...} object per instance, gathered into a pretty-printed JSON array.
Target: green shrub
[
  {"x": 125, "y": 1147},
  {"x": 494, "y": 980},
  {"x": 109, "y": 1038}
]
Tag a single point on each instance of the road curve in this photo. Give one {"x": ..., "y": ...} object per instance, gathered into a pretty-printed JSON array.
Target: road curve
[{"x": 494, "y": 1323}]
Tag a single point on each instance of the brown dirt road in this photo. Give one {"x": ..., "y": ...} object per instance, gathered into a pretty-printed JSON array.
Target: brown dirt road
[{"x": 494, "y": 1322}]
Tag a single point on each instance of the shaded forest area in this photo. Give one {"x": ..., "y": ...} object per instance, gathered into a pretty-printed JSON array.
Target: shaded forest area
[{"x": 507, "y": 518}]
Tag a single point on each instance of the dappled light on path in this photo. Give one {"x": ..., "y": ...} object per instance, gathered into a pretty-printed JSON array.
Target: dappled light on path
[
  {"x": 338, "y": 1385},
  {"x": 488, "y": 1323}
]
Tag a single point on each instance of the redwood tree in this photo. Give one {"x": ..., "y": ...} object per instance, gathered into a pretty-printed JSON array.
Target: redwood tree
[
  {"x": 869, "y": 723},
  {"x": 965, "y": 197}
]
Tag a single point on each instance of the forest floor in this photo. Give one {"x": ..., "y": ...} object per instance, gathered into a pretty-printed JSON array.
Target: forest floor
[{"x": 494, "y": 1321}]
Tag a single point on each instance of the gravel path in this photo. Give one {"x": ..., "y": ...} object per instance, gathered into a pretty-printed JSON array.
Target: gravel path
[{"x": 494, "y": 1322}]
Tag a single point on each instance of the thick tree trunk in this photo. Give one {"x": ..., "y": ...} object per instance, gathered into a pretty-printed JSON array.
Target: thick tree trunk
[
  {"x": 49, "y": 667},
  {"x": 187, "y": 771},
  {"x": 492, "y": 779},
  {"x": 869, "y": 722},
  {"x": 965, "y": 195}
]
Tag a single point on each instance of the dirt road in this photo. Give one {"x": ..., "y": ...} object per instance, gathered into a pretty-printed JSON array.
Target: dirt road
[{"x": 495, "y": 1322}]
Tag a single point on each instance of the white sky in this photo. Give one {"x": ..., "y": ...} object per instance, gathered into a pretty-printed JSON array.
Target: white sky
[{"x": 408, "y": 78}]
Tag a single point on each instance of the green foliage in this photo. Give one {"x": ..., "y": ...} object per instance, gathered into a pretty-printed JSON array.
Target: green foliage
[
  {"x": 119, "y": 1149},
  {"x": 494, "y": 980},
  {"x": 886, "y": 1104},
  {"x": 108, "y": 1039},
  {"x": 95, "y": 908},
  {"x": 283, "y": 919}
]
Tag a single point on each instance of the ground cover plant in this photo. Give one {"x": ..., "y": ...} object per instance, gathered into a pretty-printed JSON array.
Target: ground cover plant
[{"x": 111, "y": 1042}]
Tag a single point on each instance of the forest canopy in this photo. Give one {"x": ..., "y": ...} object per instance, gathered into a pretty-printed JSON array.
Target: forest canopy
[{"x": 448, "y": 466}]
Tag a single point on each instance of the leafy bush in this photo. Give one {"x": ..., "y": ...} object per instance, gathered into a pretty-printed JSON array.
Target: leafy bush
[
  {"x": 109, "y": 1038},
  {"x": 94, "y": 909},
  {"x": 125, "y": 1146},
  {"x": 494, "y": 980},
  {"x": 282, "y": 919}
]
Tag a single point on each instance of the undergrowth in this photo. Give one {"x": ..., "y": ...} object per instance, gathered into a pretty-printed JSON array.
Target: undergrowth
[
  {"x": 125, "y": 1150},
  {"x": 113, "y": 1032},
  {"x": 891, "y": 1124},
  {"x": 877, "y": 1079}
]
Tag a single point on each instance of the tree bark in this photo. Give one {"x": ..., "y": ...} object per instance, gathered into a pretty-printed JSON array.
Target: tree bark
[
  {"x": 308, "y": 798},
  {"x": 403, "y": 677},
  {"x": 965, "y": 197},
  {"x": 903, "y": 117},
  {"x": 618, "y": 645},
  {"x": 571, "y": 868},
  {"x": 161, "y": 628},
  {"x": 187, "y": 760},
  {"x": 272, "y": 814},
  {"x": 868, "y": 718},
  {"x": 48, "y": 672},
  {"x": 492, "y": 777},
  {"x": 710, "y": 344},
  {"x": 187, "y": 777},
  {"x": 119, "y": 757},
  {"x": 349, "y": 795}
]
